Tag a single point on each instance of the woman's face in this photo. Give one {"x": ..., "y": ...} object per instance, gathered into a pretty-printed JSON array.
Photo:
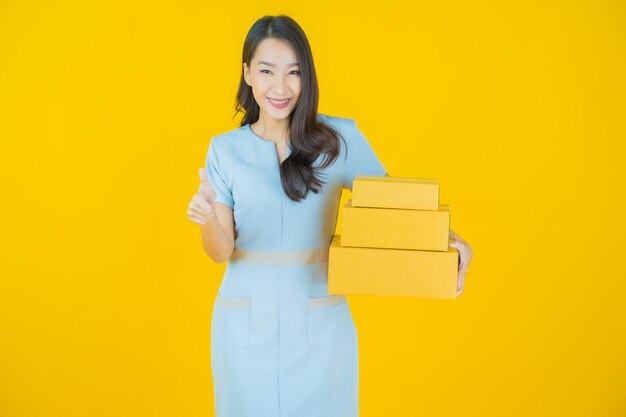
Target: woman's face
[{"x": 274, "y": 73}]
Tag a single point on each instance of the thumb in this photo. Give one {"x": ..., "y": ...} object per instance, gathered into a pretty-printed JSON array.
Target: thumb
[
  {"x": 206, "y": 187},
  {"x": 203, "y": 181},
  {"x": 203, "y": 177}
]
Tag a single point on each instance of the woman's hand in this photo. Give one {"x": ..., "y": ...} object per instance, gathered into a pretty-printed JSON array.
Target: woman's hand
[
  {"x": 465, "y": 257},
  {"x": 201, "y": 208}
]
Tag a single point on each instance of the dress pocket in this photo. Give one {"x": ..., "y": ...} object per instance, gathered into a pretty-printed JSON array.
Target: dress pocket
[
  {"x": 329, "y": 320},
  {"x": 230, "y": 325}
]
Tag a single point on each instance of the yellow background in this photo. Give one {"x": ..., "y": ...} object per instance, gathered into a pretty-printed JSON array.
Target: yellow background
[{"x": 517, "y": 108}]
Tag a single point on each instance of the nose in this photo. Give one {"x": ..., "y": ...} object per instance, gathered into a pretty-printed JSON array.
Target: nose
[{"x": 279, "y": 85}]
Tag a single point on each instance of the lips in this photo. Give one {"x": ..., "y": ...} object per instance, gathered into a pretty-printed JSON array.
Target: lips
[{"x": 279, "y": 103}]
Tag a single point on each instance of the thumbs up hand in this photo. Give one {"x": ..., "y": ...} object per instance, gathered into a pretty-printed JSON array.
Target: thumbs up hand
[
  {"x": 206, "y": 187},
  {"x": 201, "y": 207}
]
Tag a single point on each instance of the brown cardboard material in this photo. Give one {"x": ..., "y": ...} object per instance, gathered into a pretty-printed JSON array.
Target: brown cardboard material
[
  {"x": 395, "y": 192},
  {"x": 391, "y": 228},
  {"x": 391, "y": 272}
]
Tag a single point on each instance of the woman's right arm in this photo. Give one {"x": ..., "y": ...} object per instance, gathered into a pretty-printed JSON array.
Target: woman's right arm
[
  {"x": 218, "y": 233},
  {"x": 216, "y": 220}
]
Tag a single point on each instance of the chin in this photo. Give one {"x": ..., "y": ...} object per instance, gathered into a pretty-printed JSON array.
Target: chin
[{"x": 278, "y": 115}]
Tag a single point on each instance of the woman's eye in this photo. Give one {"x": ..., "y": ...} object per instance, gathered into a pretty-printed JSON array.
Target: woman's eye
[{"x": 268, "y": 71}]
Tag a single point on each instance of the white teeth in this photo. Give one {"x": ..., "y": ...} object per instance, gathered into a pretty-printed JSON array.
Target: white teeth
[{"x": 278, "y": 102}]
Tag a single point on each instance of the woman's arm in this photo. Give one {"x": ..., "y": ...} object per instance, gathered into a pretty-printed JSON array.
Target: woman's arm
[
  {"x": 218, "y": 233},
  {"x": 216, "y": 220}
]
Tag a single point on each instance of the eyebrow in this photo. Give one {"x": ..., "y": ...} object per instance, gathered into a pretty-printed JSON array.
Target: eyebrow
[{"x": 269, "y": 64}]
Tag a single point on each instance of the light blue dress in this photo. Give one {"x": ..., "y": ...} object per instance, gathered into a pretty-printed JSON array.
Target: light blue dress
[{"x": 281, "y": 345}]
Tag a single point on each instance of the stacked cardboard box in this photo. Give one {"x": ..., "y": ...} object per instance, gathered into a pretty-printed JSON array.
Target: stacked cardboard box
[{"x": 394, "y": 241}]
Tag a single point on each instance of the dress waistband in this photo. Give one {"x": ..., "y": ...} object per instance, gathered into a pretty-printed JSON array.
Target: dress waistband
[{"x": 280, "y": 257}]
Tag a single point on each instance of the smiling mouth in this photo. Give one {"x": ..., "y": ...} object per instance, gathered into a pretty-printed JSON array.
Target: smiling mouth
[
  {"x": 280, "y": 104},
  {"x": 281, "y": 101}
]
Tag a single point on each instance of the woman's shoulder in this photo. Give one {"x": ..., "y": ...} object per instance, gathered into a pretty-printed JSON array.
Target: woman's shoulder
[
  {"x": 232, "y": 134},
  {"x": 227, "y": 141}
]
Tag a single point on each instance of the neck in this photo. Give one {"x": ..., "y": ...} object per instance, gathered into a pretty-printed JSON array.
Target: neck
[{"x": 273, "y": 129}]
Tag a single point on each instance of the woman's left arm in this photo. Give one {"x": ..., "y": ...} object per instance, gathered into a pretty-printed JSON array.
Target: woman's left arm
[{"x": 465, "y": 257}]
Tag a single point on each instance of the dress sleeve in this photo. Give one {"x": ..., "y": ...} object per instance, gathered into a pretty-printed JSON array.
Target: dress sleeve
[
  {"x": 216, "y": 178},
  {"x": 361, "y": 158}
]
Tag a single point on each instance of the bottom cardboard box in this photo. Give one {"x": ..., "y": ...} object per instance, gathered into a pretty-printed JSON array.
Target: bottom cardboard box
[{"x": 395, "y": 272}]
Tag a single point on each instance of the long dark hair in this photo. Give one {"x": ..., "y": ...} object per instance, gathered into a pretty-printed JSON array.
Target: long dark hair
[{"x": 308, "y": 137}]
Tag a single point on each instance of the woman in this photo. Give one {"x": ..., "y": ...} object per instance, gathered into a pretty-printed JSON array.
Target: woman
[{"x": 268, "y": 203}]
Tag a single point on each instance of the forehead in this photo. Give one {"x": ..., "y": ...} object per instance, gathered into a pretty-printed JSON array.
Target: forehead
[{"x": 274, "y": 51}]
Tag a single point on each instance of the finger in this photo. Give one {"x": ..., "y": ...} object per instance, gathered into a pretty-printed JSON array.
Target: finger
[
  {"x": 197, "y": 216},
  {"x": 461, "y": 279},
  {"x": 195, "y": 211},
  {"x": 200, "y": 200},
  {"x": 203, "y": 192},
  {"x": 194, "y": 215},
  {"x": 463, "y": 270},
  {"x": 199, "y": 211},
  {"x": 197, "y": 220},
  {"x": 204, "y": 209},
  {"x": 202, "y": 205},
  {"x": 462, "y": 242},
  {"x": 203, "y": 176},
  {"x": 465, "y": 253},
  {"x": 206, "y": 186},
  {"x": 460, "y": 255},
  {"x": 210, "y": 192},
  {"x": 207, "y": 192},
  {"x": 456, "y": 237},
  {"x": 203, "y": 183}
]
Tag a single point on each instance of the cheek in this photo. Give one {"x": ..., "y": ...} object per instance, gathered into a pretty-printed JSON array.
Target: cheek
[
  {"x": 261, "y": 86},
  {"x": 296, "y": 87},
  {"x": 258, "y": 89}
]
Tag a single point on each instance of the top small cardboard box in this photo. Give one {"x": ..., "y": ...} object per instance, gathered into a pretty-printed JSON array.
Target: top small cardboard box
[{"x": 395, "y": 192}]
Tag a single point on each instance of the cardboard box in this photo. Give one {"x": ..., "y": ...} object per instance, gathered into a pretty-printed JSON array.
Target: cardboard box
[
  {"x": 391, "y": 272},
  {"x": 396, "y": 228},
  {"x": 395, "y": 192}
]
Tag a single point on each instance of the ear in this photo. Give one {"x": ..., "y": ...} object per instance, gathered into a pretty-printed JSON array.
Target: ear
[{"x": 246, "y": 74}]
